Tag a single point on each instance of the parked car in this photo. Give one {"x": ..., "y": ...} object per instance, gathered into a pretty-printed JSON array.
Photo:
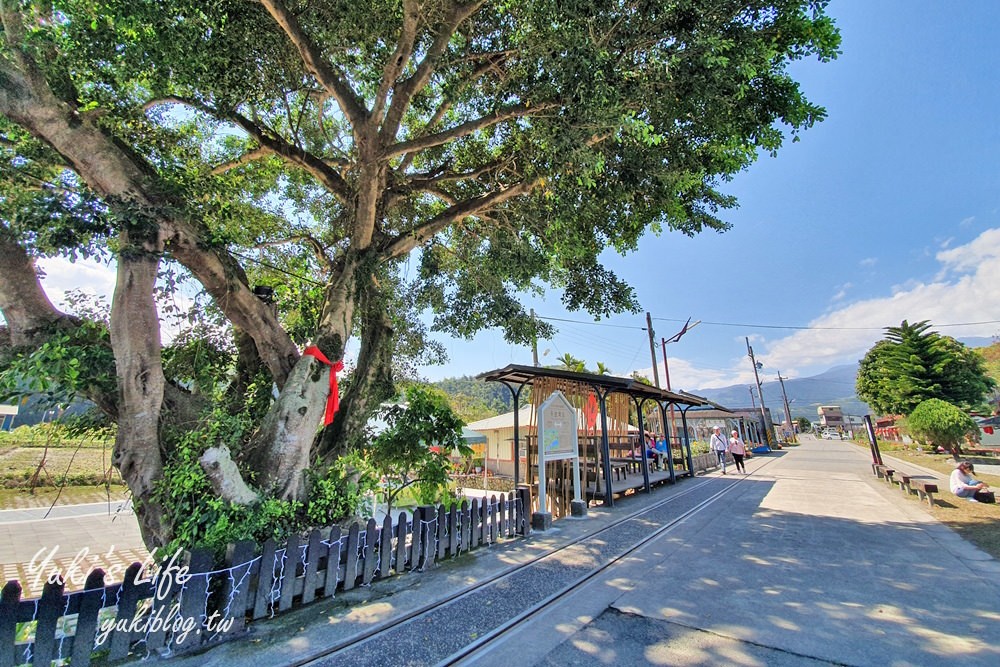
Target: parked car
[{"x": 831, "y": 434}]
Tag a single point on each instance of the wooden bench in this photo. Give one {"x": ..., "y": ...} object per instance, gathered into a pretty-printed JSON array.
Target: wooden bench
[
  {"x": 924, "y": 488},
  {"x": 903, "y": 480},
  {"x": 883, "y": 472}
]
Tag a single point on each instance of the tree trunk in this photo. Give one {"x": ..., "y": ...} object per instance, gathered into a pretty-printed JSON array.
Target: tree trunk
[
  {"x": 225, "y": 477},
  {"x": 278, "y": 453},
  {"x": 135, "y": 338},
  {"x": 371, "y": 384}
]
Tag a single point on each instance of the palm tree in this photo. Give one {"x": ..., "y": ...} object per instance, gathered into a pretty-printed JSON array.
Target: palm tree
[
  {"x": 571, "y": 363},
  {"x": 602, "y": 369}
]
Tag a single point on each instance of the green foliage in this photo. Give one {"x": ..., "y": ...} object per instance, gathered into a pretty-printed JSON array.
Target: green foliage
[
  {"x": 340, "y": 493},
  {"x": 913, "y": 364},
  {"x": 473, "y": 399},
  {"x": 803, "y": 423},
  {"x": 570, "y": 363},
  {"x": 190, "y": 505},
  {"x": 939, "y": 423},
  {"x": 70, "y": 362},
  {"x": 543, "y": 134},
  {"x": 200, "y": 519},
  {"x": 401, "y": 454},
  {"x": 699, "y": 447}
]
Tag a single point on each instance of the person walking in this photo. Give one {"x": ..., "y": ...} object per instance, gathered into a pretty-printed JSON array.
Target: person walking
[
  {"x": 738, "y": 450},
  {"x": 720, "y": 446}
]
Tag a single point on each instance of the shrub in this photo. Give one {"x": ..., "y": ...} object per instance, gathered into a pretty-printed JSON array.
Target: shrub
[{"x": 939, "y": 423}]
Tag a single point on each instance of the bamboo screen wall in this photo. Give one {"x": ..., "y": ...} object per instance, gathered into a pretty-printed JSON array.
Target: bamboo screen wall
[{"x": 559, "y": 481}]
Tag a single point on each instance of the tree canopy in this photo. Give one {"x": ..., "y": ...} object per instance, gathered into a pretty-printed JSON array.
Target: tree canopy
[
  {"x": 913, "y": 364},
  {"x": 363, "y": 162}
]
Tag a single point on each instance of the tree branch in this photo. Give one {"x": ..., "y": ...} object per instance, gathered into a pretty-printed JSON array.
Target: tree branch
[
  {"x": 23, "y": 302},
  {"x": 492, "y": 60},
  {"x": 246, "y": 158},
  {"x": 403, "y": 94},
  {"x": 350, "y": 104},
  {"x": 464, "y": 129},
  {"x": 328, "y": 176},
  {"x": 420, "y": 181},
  {"x": 123, "y": 177},
  {"x": 404, "y": 48},
  {"x": 407, "y": 241},
  {"x": 323, "y": 170},
  {"x": 312, "y": 241}
]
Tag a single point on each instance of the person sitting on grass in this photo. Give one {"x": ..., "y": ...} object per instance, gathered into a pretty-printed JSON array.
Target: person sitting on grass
[{"x": 964, "y": 485}]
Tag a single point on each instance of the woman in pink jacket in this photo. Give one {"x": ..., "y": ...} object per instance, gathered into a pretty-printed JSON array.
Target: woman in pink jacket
[{"x": 738, "y": 450}]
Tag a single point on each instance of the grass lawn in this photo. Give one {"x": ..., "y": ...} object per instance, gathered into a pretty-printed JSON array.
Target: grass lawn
[
  {"x": 80, "y": 465},
  {"x": 976, "y": 522}
]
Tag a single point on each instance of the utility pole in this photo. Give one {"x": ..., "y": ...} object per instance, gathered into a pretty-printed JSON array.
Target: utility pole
[
  {"x": 652, "y": 348},
  {"x": 753, "y": 403},
  {"x": 534, "y": 339},
  {"x": 666, "y": 369},
  {"x": 760, "y": 394},
  {"x": 788, "y": 413}
]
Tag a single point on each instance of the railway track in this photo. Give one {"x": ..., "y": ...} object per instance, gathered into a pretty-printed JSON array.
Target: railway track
[{"x": 455, "y": 629}]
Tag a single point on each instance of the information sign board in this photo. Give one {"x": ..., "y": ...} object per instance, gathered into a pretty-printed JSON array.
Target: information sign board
[{"x": 557, "y": 428}]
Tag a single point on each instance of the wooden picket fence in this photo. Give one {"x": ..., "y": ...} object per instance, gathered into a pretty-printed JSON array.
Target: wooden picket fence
[{"x": 179, "y": 610}]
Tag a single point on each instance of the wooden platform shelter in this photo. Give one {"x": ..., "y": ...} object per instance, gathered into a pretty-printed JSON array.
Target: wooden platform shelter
[{"x": 611, "y": 453}]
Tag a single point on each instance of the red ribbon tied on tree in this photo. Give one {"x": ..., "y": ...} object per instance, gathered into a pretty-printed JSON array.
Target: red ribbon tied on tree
[{"x": 333, "y": 400}]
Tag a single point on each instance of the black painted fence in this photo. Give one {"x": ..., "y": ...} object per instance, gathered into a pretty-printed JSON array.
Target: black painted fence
[{"x": 189, "y": 604}]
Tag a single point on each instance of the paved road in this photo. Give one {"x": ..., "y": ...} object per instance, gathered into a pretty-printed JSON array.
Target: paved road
[
  {"x": 104, "y": 534},
  {"x": 810, "y": 562}
]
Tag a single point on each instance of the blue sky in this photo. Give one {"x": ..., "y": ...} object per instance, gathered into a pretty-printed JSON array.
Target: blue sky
[{"x": 889, "y": 209}]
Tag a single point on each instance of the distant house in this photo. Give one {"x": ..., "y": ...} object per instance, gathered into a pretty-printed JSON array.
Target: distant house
[
  {"x": 7, "y": 415},
  {"x": 830, "y": 416}
]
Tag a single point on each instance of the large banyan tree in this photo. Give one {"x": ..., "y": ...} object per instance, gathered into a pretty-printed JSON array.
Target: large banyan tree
[{"x": 371, "y": 161}]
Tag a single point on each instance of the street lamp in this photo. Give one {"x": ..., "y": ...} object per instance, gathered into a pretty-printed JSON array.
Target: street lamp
[{"x": 666, "y": 370}]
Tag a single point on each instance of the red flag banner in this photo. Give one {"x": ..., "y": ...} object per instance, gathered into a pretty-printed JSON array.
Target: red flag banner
[
  {"x": 590, "y": 412},
  {"x": 333, "y": 400}
]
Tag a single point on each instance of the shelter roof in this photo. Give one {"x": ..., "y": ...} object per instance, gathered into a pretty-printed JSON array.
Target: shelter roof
[{"x": 525, "y": 375}]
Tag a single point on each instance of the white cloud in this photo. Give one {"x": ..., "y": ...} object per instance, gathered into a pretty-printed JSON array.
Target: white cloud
[
  {"x": 686, "y": 376},
  {"x": 966, "y": 222},
  {"x": 964, "y": 292},
  {"x": 98, "y": 279},
  {"x": 868, "y": 262},
  {"x": 842, "y": 292},
  {"x": 85, "y": 275}
]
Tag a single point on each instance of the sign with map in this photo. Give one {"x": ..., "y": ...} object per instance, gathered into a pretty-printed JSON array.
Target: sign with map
[{"x": 557, "y": 429}]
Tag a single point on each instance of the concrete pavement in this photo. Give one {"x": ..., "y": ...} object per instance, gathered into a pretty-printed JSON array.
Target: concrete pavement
[
  {"x": 94, "y": 534},
  {"x": 811, "y": 561}
]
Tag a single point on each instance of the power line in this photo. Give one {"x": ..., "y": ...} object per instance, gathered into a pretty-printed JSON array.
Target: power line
[
  {"x": 596, "y": 324},
  {"x": 752, "y": 326},
  {"x": 781, "y": 326}
]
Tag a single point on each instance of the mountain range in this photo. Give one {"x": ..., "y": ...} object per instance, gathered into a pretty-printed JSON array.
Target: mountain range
[
  {"x": 832, "y": 387},
  {"x": 835, "y": 386}
]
